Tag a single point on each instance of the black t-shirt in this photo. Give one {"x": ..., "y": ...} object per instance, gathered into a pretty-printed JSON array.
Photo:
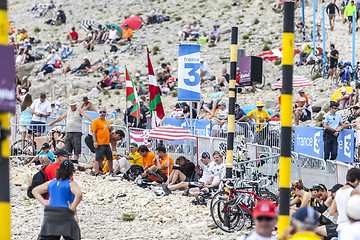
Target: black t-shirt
[
  {"x": 227, "y": 77},
  {"x": 330, "y": 9},
  {"x": 333, "y": 53}
]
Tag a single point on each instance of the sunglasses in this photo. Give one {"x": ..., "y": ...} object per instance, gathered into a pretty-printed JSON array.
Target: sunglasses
[
  {"x": 102, "y": 112},
  {"x": 264, "y": 218}
]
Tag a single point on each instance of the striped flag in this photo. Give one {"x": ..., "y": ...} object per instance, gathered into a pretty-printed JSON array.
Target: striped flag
[
  {"x": 155, "y": 106},
  {"x": 131, "y": 95}
]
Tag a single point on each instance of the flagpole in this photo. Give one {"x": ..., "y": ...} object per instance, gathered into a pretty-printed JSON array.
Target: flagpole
[
  {"x": 191, "y": 131},
  {"x": 127, "y": 120}
]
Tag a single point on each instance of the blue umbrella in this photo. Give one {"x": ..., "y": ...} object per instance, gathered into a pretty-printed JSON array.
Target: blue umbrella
[{"x": 249, "y": 108}]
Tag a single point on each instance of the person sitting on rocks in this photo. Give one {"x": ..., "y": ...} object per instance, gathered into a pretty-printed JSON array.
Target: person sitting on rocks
[
  {"x": 182, "y": 172},
  {"x": 88, "y": 42},
  {"x": 344, "y": 99},
  {"x": 61, "y": 17},
  {"x": 28, "y": 54},
  {"x": 302, "y": 95},
  {"x": 215, "y": 97},
  {"x": 224, "y": 79},
  {"x": 195, "y": 31},
  {"x": 112, "y": 35},
  {"x": 186, "y": 33},
  {"x": 73, "y": 36},
  {"x": 139, "y": 82},
  {"x": 50, "y": 63},
  {"x": 177, "y": 112},
  {"x": 186, "y": 111},
  {"x": 116, "y": 81},
  {"x": 26, "y": 84},
  {"x": 214, "y": 34},
  {"x": 148, "y": 158},
  {"x": 303, "y": 112},
  {"x": 125, "y": 161},
  {"x": 113, "y": 68},
  {"x": 105, "y": 81},
  {"x": 64, "y": 51},
  {"x": 164, "y": 75},
  {"x": 205, "y": 73},
  {"x": 88, "y": 106},
  {"x": 220, "y": 119},
  {"x": 101, "y": 34},
  {"x": 163, "y": 164},
  {"x": 45, "y": 156},
  {"x": 127, "y": 34}
]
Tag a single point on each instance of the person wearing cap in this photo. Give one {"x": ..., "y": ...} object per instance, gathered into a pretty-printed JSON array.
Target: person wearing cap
[
  {"x": 139, "y": 82},
  {"x": 126, "y": 34},
  {"x": 344, "y": 100},
  {"x": 306, "y": 50},
  {"x": 205, "y": 73},
  {"x": 88, "y": 106},
  {"x": 64, "y": 51},
  {"x": 74, "y": 116},
  {"x": 259, "y": 114},
  {"x": 333, "y": 124},
  {"x": 125, "y": 161},
  {"x": 221, "y": 116},
  {"x": 88, "y": 41},
  {"x": 338, "y": 207},
  {"x": 45, "y": 156},
  {"x": 302, "y": 113},
  {"x": 60, "y": 155},
  {"x": 303, "y": 224},
  {"x": 265, "y": 216},
  {"x": 214, "y": 35},
  {"x": 73, "y": 36},
  {"x": 85, "y": 66},
  {"x": 50, "y": 63},
  {"x": 112, "y": 36},
  {"x": 100, "y": 130},
  {"x": 40, "y": 109},
  {"x": 351, "y": 232},
  {"x": 60, "y": 215},
  {"x": 100, "y": 38},
  {"x": 215, "y": 98}
]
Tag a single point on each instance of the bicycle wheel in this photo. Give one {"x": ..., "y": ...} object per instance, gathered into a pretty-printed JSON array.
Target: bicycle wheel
[
  {"x": 267, "y": 195},
  {"x": 23, "y": 149},
  {"x": 222, "y": 209},
  {"x": 316, "y": 70},
  {"x": 219, "y": 195}
]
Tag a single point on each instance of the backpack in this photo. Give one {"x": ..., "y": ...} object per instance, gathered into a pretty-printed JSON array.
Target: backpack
[
  {"x": 133, "y": 172},
  {"x": 154, "y": 177},
  {"x": 196, "y": 174},
  {"x": 38, "y": 179},
  {"x": 57, "y": 64},
  {"x": 113, "y": 48},
  {"x": 89, "y": 141}
]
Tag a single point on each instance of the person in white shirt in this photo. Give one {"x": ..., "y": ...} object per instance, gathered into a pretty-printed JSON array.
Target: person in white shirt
[
  {"x": 352, "y": 232},
  {"x": 205, "y": 73},
  {"x": 265, "y": 216},
  {"x": 50, "y": 63},
  {"x": 40, "y": 109},
  {"x": 113, "y": 35},
  {"x": 194, "y": 34}
]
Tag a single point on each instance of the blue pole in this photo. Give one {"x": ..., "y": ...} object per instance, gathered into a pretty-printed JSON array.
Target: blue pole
[
  {"x": 314, "y": 25},
  {"x": 303, "y": 11},
  {"x": 353, "y": 39},
  {"x": 323, "y": 39}
]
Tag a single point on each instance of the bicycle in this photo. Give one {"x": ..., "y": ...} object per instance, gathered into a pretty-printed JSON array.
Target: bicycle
[
  {"x": 231, "y": 211},
  {"x": 44, "y": 10}
]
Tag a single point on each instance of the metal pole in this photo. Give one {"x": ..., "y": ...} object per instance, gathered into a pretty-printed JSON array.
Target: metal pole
[
  {"x": 353, "y": 39},
  {"x": 303, "y": 11},
  {"x": 191, "y": 131},
  {"x": 231, "y": 116},
  {"x": 286, "y": 116},
  {"x": 5, "y": 227},
  {"x": 323, "y": 39},
  {"x": 314, "y": 25}
]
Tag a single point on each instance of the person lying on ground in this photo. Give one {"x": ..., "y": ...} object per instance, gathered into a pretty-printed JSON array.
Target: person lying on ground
[
  {"x": 72, "y": 37},
  {"x": 50, "y": 63},
  {"x": 105, "y": 81},
  {"x": 45, "y": 156},
  {"x": 85, "y": 66}
]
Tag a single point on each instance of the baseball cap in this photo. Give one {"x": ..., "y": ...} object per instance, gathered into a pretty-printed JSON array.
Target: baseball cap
[
  {"x": 353, "y": 207},
  {"x": 134, "y": 144},
  {"x": 126, "y": 25},
  {"x": 53, "y": 50},
  {"x": 45, "y": 146},
  {"x": 58, "y": 43},
  {"x": 222, "y": 103},
  {"x": 184, "y": 104},
  {"x": 73, "y": 28},
  {"x": 86, "y": 57},
  {"x": 343, "y": 90},
  {"x": 85, "y": 98},
  {"x": 24, "y": 77},
  {"x": 265, "y": 208},
  {"x": 306, "y": 215},
  {"x": 333, "y": 104},
  {"x": 301, "y": 91},
  {"x": 67, "y": 164},
  {"x": 335, "y": 188},
  {"x": 201, "y": 59},
  {"x": 205, "y": 155},
  {"x": 137, "y": 74},
  {"x": 62, "y": 152}
]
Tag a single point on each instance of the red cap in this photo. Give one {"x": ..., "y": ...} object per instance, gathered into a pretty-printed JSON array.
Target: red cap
[{"x": 265, "y": 208}]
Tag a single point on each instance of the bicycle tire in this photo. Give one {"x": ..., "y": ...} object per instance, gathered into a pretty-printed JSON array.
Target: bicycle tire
[
  {"x": 316, "y": 69},
  {"x": 267, "y": 195},
  {"x": 235, "y": 213},
  {"x": 217, "y": 196},
  {"x": 26, "y": 150}
]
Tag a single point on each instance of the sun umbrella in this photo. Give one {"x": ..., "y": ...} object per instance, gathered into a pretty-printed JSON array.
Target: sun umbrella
[
  {"x": 337, "y": 93},
  {"x": 275, "y": 54},
  {"x": 170, "y": 133},
  {"x": 117, "y": 27},
  {"x": 298, "y": 81},
  {"x": 84, "y": 24},
  {"x": 249, "y": 108},
  {"x": 133, "y": 22}
]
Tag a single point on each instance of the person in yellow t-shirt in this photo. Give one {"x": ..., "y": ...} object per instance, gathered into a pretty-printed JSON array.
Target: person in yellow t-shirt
[
  {"x": 260, "y": 116},
  {"x": 127, "y": 34},
  {"x": 125, "y": 162}
]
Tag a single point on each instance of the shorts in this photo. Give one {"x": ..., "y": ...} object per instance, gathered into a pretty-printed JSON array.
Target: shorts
[
  {"x": 73, "y": 142},
  {"x": 39, "y": 129},
  {"x": 333, "y": 64},
  {"x": 116, "y": 86},
  {"x": 194, "y": 184},
  {"x": 103, "y": 85},
  {"x": 101, "y": 151},
  {"x": 332, "y": 15},
  {"x": 162, "y": 174},
  {"x": 23, "y": 128},
  {"x": 194, "y": 34},
  {"x": 350, "y": 18},
  {"x": 304, "y": 117}
]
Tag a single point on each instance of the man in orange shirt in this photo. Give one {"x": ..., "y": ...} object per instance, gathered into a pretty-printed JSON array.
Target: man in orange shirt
[
  {"x": 302, "y": 95},
  {"x": 148, "y": 158},
  {"x": 127, "y": 34},
  {"x": 100, "y": 130},
  {"x": 163, "y": 163}
]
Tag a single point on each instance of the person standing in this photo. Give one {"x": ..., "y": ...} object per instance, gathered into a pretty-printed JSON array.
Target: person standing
[
  {"x": 73, "y": 117},
  {"x": 25, "y": 117},
  {"x": 349, "y": 9},
  {"x": 333, "y": 125},
  {"x": 334, "y": 58},
  {"x": 101, "y": 136},
  {"x": 40, "y": 109},
  {"x": 331, "y": 12}
]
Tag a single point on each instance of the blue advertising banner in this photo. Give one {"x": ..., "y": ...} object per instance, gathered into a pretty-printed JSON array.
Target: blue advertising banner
[
  {"x": 189, "y": 72},
  {"x": 309, "y": 141},
  {"x": 200, "y": 127}
]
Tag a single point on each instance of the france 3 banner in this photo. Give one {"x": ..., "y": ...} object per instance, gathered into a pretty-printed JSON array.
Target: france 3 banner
[
  {"x": 189, "y": 72},
  {"x": 201, "y": 127},
  {"x": 309, "y": 141}
]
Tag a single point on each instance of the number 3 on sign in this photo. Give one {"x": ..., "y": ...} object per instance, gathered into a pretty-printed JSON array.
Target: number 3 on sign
[{"x": 194, "y": 76}]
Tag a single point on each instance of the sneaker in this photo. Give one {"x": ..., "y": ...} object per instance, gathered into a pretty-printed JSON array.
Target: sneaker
[
  {"x": 109, "y": 174},
  {"x": 186, "y": 191},
  {"x": 166, "y": 189},
  {"x": 41, "y": 74}
]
